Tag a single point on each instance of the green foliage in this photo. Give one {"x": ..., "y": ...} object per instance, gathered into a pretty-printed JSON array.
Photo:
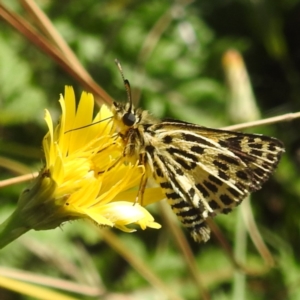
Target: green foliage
[
  {"x": 21, "y": 100},
  {"x": 179, "y": 75}
]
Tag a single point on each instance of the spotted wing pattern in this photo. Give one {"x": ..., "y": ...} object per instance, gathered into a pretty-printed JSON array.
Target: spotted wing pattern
[{"x": 204, "y": 171}]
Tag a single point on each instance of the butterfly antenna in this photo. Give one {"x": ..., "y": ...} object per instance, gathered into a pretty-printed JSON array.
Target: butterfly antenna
[
  {"x": 88, "y": 125},
  {"x": 126, "y": 84}
]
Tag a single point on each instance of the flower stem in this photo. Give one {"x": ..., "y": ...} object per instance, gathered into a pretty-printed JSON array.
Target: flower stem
[{"x": 12, "y": 228}]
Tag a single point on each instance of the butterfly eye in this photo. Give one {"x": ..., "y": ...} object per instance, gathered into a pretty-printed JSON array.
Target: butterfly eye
[{"x": 129, "y": 119}]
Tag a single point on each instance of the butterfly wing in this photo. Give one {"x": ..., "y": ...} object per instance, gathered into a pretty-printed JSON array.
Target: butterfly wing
[{"x": 204, "y": 172}]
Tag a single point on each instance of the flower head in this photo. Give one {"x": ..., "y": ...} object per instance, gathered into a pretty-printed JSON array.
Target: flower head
[{"x": 84, "y": 175}]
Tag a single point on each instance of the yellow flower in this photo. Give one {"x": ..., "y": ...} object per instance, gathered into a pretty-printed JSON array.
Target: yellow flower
[{"x": 84, "y": 176}]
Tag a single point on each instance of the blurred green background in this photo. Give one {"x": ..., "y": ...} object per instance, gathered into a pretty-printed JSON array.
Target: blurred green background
[{"x": 171, "y": 52}]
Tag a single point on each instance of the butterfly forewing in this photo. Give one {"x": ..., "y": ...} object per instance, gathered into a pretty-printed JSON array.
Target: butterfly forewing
[
  {"x": 260, "y": 153},
  {"x": 205, "y": 171},
  {"x": 202, "y": 171}
]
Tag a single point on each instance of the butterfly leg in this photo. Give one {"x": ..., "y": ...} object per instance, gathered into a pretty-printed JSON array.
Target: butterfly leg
[
  {"x": 141, "y": 191},
  {"x": 112, "y": 166},
  {"x": 143, "y": 182}
]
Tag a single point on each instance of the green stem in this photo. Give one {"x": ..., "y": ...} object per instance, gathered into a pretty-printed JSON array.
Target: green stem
[{"x": 12, "y": 228}]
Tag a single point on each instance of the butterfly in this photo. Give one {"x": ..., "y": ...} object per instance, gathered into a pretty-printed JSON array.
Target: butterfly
[{"x": 202, "y": 171}]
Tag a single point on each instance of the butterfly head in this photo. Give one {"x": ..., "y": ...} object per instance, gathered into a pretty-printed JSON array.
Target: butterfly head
[
  {"x": 129, "y": 117},
  {"x": 125, "y": 116}
]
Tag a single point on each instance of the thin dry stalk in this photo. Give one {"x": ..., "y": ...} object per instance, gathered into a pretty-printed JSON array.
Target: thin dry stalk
[
  {"x": 185, "y": 249},
  {"x": 278, "y": 119},
  {"x": 255, "y": 234},
  {"x": 114, "y": 242},
  {"x": 28, "y": 31}
]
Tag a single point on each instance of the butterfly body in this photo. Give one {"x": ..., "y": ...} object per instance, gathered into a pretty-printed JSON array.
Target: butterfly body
[{"x": 202, "y": 171}]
